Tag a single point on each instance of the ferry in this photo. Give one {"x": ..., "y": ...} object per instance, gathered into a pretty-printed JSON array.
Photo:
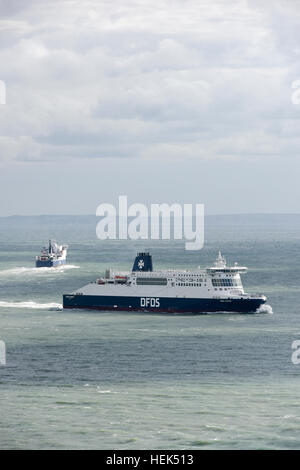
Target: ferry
[
  {"x": 213, "y": 289},
  {"x": 54, "y": 255}
]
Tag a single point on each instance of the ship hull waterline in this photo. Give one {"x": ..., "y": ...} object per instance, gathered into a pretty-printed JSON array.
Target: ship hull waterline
[
  {"x": 50, "y": 263},
  {"x": 166, "y": 304}
]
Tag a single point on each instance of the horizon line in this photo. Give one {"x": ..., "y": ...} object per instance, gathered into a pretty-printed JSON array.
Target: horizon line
[{"x": 205, "y": 215}]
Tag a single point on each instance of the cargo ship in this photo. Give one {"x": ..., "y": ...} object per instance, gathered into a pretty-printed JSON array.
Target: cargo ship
[
  {"x": 217, "y": 288},
  {"x": 54, "y": 255}
]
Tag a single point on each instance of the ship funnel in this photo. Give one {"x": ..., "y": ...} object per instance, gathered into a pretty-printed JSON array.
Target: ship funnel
[{"x": 143, "y": 262}]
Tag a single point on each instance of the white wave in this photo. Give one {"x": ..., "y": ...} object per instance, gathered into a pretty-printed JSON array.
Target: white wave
[
  {"x": 32, "y": 305},
  {"x": 265, "y": 308},
  {"x": 23, "y": 270},
  {"x": 67, "y": 266}
]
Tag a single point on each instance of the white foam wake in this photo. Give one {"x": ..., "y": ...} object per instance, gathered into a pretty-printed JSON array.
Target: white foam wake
[
  {"x": 23, "y": 270},
  {"x": 32, "y": 305},
  {"x": 264, "y": 308}
]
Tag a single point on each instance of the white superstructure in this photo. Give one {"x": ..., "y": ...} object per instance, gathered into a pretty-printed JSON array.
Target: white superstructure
[{"x": 217, "y": 282}]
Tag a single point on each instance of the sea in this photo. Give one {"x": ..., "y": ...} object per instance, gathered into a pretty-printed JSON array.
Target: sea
[{"x": 123, "y": 380}]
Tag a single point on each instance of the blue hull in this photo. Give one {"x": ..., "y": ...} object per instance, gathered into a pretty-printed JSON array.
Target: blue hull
[
  {"x": 49, "y": 263},
  {"x": 162, "y": 304}
]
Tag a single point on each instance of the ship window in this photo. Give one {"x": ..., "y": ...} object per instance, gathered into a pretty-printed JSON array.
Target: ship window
[
  {"x": 224, "y": 282},
  {"x": 152, "y": 281}
]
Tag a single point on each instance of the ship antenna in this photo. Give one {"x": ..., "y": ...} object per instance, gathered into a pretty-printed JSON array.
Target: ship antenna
[{"x": 220, "y": 261}]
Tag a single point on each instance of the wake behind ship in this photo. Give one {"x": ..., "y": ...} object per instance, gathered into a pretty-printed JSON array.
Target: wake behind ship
[
  {"x": 214, "y": 289},
  {"x": 54, "y": 255}
]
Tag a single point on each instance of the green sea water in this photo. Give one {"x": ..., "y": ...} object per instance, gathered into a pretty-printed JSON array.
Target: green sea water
[{"x": 89, "y": 380}]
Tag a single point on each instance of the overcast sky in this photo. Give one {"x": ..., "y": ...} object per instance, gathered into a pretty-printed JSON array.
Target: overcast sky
[{"x": 164, "y": 101}]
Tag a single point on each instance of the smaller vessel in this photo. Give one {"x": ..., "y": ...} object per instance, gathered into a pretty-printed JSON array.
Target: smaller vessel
[{"x": 54, "y": 255}]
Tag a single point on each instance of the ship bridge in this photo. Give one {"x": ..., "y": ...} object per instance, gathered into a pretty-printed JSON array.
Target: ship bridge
[{"x": 220, "y": 267}]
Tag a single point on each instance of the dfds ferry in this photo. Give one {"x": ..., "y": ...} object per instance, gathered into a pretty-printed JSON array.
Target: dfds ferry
[
  {"x": 214, "y": 289},
  {"x": 54, "y": 255}
]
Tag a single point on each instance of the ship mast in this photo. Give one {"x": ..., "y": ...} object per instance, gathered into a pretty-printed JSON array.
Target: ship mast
[{"x": 220, "y": 261}]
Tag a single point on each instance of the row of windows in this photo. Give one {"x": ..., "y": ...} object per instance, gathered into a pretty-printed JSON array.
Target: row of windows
[
  {"x": 151, "y": 281},
  {"x": 195, "y": 276},
  {"x": 193, "y": 284},
  {"x": 224, "y": 282},
  {"x": 222, "y": 270},
  {"x": 221, "y": 288}
]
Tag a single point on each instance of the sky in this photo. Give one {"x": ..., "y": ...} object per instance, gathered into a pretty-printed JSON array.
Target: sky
[{"x": 187, "y": 101}]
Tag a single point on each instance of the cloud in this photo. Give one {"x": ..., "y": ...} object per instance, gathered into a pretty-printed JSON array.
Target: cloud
[{"x": 186, "y": 79}]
